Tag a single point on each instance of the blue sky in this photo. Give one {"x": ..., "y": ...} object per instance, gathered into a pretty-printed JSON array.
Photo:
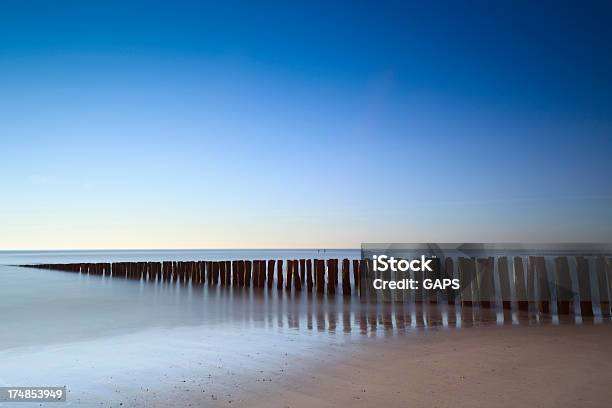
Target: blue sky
[{"x": 195, "y": 125}]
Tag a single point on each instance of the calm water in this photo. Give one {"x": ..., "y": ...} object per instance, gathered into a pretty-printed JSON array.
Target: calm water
[{"x": 44, "y": 306}]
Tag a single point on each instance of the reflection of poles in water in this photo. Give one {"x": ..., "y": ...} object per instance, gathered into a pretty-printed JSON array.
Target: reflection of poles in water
[{"x": 554, "y": 286}]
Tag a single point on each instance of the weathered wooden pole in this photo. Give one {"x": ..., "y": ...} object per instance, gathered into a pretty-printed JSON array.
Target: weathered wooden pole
[
  {"x": 486, "y": 288},
  {"x": 346, "y": 277},
  {"x": 228, "y": 273},
  {"x": 519, "y": 283},
  {"x": 247, "y": 274},
  {"x": 467, "y": 280},
  {"x": 296, "y": 276},
  {"x": 215, "y": 273},
  {"x": 531, "y": 282},
  {"x": 256, "y": 273},
  {"x": 156, "y": 267},
  {"x": 289, "y": 274},
  {"x": 201, "y": 273},
  {"x": 192, "y": 274},
  {"x": 235, "y": 273},
  {"x": 178, "y": 271},
  {"x": 309, "y": 277},
  {"x": 262, "y": 274},
  {"x": 270, "y": 273},
  {"x": 240, "y": 273},
  {"x": 303, "y": 271},
  {"x": 608, "y": 272},
  {"x": 504, "y": 282},
  {"x": 584, "y": 286},
  {"x": 320, "y": 275},
  {"x": 544, "y": 296},
  {"x": 356, "y": 274},
  {"x": 332, "y": 276},
  {"x": 279, "y": 274},
  {"x": 222, "y": 275},
  {"x": 603, "y": 284},
  {"x": 209, "y": 272},
  {"x": 563, "y": 282}
]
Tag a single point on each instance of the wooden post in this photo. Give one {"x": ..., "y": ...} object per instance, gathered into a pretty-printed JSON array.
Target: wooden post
[
  {"x": 356, "y": 274},
  {"x": 603, "y": 284},
  {"x": 519, "y": 283},
  {"x": 320, "y": 275},
  {"x": 228, "y": 273},
  {"x": 209, "y": 273},
  {"x": 241, "y": 273},
  {"x": 531, "y": 281},
  {"x": 544, "y": 297},
  {"x": 263, "y": 275},
  {"x": 256, "y": 274},
  {"x": 297, "y": 281},
  {"x": 302, "y": 271},
  {"x": 608, "y": 269},
  {"x": 563, "y": 281},
  {"x": 504, "y": 282},
  {"x": 181, "y": 271},
  {"x": 279, "y": 274},
  {"x": 309, "y": 279},
  {"x": 215, "y": 273},
  {"x": 486, "y": 288},
  {"x": 584, "y": 286},
  {"x": 261, "y": 279},
  {"x": 270, "y": 273},
  {"x": 346, "y": 277},
  {"x": 223, "y": 273},
  {"x": 332, "y": 277},
  {"x": 247, "y": 274},
  {"x": 289, "y": 274},
  {"x": 193, "y": 272},
  {"x": 156, "y": 272},
  {"x": 467, "y": 280},
  {"x": 201, "y": 273}
]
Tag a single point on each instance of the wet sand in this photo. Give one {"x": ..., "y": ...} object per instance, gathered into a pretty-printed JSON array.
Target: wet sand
[
  {"x": 541, "y": 366},
  {"x": 499, "y": 366}
]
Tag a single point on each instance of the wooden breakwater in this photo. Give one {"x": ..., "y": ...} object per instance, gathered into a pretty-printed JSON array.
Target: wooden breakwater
[
  {"x": 303, "y": 274},
  {"x": 536, "y": 282}
]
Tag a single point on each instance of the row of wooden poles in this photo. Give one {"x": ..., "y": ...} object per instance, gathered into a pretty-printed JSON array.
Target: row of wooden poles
[
  {"x": 531, "y": 284},
  {"x": 302, "y": 273}
]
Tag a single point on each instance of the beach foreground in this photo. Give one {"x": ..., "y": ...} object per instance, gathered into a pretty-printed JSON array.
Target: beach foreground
[
  {"x": 501, "y": 366},
  {"x": 540, "y": 366}
]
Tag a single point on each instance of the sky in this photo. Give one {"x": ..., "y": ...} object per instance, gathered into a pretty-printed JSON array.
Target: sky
[{"x": 293, "y": 125}]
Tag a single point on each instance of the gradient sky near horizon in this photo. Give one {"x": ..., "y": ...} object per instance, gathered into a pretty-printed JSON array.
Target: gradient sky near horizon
[{"x": 290, "y": 124}]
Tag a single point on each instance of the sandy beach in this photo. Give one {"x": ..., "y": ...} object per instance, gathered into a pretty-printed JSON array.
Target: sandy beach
[
  {"x": 562, "y": 366},
  {"x": 537, "y": 366}
]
